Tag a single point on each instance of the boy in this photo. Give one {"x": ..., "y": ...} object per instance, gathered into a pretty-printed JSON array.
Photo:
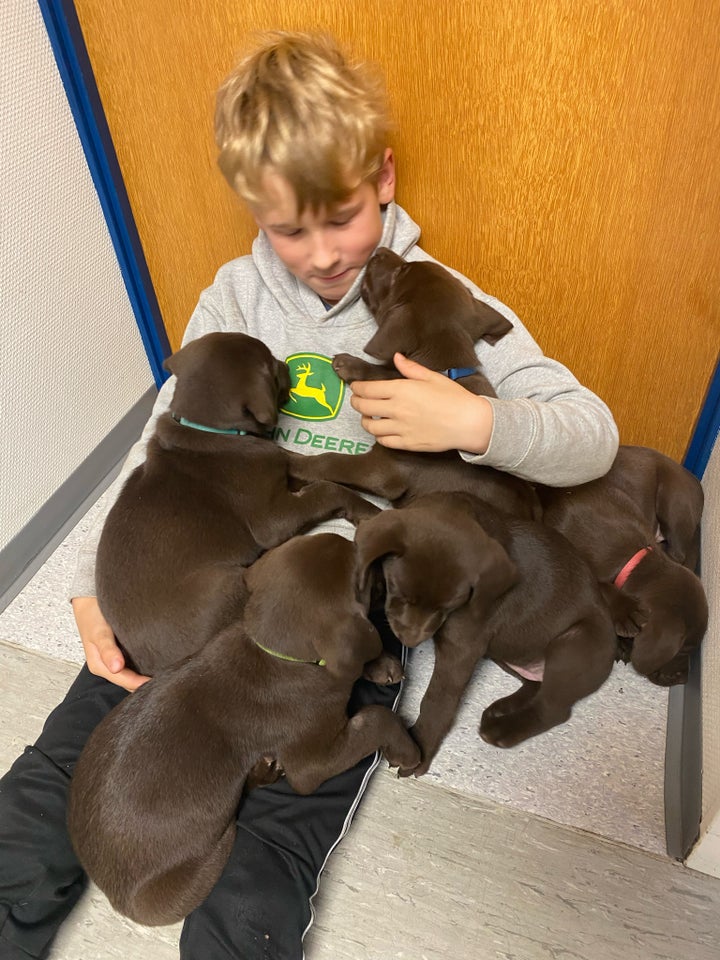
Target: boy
[{"x": 303, "y": 140}]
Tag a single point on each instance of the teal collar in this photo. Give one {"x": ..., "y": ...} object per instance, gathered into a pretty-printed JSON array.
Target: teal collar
[
  {"x": 285, "y": 656},
  {"x": 229, "y": 432}
]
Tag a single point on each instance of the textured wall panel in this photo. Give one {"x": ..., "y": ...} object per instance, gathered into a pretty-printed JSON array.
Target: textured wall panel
[{"x": 71, "y": 358}]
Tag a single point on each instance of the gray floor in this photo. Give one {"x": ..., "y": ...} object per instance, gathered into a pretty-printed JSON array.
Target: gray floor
[{"x": 493, "y": 854}]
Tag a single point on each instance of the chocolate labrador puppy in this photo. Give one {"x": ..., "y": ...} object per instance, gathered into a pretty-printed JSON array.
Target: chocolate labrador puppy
[
  {"x": 639, "y": 529},
  {"x": 488, "y": 585},
  {"x": 426, "y": 313},
  {"x": 154, "y": 796},
  {"x": 211, "y": 496}
]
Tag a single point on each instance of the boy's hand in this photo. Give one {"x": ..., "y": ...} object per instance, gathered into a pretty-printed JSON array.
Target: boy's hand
[
  {"x": 104, "y": 657},
  {"x": 427, "y": 411}
]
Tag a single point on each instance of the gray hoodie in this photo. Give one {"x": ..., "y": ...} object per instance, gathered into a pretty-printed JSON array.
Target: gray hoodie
[{"x": 547, "y": 427}]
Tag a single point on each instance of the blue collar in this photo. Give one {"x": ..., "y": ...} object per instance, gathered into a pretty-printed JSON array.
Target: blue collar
[
  {"x": 457, "y": 373},
  {"x": 230, "y": 432}
]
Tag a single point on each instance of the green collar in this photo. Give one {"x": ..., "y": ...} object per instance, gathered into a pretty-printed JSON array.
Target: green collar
[
  {"x": 230, "y": 432},
  {"x": 285, "y": 656}
]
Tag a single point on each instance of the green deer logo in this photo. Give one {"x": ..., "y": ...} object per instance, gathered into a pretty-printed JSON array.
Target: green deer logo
[{"x": 312, "y": 398}]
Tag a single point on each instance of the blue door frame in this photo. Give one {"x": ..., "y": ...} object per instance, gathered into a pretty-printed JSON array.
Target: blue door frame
[{"x": 77, "y": 76}]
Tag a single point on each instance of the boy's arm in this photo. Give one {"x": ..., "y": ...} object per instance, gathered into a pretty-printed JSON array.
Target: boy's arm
[{"x": 547, "y": 426}]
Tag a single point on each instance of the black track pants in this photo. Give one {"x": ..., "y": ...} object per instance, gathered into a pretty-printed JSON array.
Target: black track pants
[{"x": 260, "y": 907}]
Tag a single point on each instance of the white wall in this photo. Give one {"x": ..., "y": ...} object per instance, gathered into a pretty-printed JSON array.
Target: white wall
[
  {"x": 706, "y": 854},
  {"x": 72, "y": 362}
]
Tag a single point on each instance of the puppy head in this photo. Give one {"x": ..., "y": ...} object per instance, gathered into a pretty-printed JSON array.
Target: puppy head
[
  {"x": 676, "y": 625},
  {"x": 228, "y": 380},
  {"x": 432, "y": 564},
  {"x": 304, "y": 603},
  {"x": 425, "y": 312},
  {"x": 381, "y": 270}
]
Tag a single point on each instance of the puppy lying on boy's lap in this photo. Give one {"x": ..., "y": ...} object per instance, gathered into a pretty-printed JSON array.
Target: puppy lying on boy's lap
[
  {"x": 427, "y": 314},
  {"x": 639, "y": 529},
  {"x": 154, "y": 796},
  {"x": 211, "y": 496},
  {"x": 489, "y": 585}
]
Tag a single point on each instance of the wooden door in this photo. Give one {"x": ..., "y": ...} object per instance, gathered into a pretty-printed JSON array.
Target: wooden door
[{"x": 563, "y": 155}]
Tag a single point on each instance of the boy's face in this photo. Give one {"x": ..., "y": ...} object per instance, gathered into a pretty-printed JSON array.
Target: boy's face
[{"x": 326, "y": 249}]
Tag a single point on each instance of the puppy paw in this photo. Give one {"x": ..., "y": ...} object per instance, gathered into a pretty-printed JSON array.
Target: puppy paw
[
  {"x": 632, "y": 621},
  {"x": 629, "y": 614},
  {"x": 384, "y": 670},
  {"x": 509, "y": 730},
  {"x": 267, "y": 770},
  {"x": 418, "y": 771},
  {"x": 496, "y": 731},
  {"x": 406, "y": 759},
  {"x": 349, "y": 368},
  {"x": 496, "y": 710},
  {"x": 358, "y": 508}
]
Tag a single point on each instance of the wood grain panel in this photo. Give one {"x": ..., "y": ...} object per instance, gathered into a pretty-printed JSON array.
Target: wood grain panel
[{"x": 564, "y": 156}]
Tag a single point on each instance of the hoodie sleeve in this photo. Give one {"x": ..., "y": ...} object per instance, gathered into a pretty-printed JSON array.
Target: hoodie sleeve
[
  {"x": 548, "y": 428},
  {"x": 208, "y": 317}
]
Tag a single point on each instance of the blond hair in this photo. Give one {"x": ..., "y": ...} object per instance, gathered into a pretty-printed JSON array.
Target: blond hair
[{"x": 295, "y": 106}]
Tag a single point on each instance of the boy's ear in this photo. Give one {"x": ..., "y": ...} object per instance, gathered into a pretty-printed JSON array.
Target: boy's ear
[{"x": 386, "y": 178}]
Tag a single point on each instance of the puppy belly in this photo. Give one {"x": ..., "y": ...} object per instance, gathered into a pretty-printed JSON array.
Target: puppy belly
[{"x": 530, "y": 671}]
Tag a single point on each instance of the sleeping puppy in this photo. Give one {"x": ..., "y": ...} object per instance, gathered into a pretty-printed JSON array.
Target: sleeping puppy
[
  {"x": 488, "y": 585},
  {"x": 154, "y": 795},
  {"x": 616, "y": 523},
  {"x": 426, "y": 313},
  {"x": 211, "y": 496}
]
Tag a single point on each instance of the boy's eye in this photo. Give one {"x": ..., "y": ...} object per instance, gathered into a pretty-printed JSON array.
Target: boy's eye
[
  {"x": 289, "y": 233},
  {"x": 342, "y": 218}
]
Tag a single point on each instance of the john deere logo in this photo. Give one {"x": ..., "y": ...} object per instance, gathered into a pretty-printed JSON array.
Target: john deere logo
[{"x": 317, "y": 391}]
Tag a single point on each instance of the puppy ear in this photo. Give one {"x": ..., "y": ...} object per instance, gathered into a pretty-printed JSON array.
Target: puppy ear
[
  {"x": 379, "y": 277},
  {"x": 389, "y": 338},
  {"x": 268, "y": 393},
  {"x": 175, "y": 362},
  {"x": 679, "y": 507},
  {"x": 353, "y": 642},
  {"x": 375, "y": 538},
  {"x": 282, "y": 378},
  {"x": 496, "y": 573},
  {"x": 490, "y": 325},
  {"x": 264, "y": 409}
]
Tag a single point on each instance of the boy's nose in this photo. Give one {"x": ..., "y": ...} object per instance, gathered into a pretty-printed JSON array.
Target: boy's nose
[{"x": 324, "y": 254}]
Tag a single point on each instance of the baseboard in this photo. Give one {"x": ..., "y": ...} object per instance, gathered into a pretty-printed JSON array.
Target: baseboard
[{"x": 29, "y": 549}]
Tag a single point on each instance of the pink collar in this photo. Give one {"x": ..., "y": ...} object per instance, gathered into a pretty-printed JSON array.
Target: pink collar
[{"x": 634, "y": 560}]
